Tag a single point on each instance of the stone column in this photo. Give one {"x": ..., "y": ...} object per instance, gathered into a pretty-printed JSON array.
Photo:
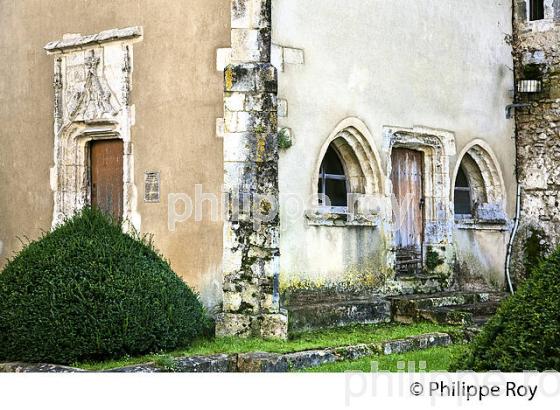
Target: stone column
[{"x": 251, "y": 230}]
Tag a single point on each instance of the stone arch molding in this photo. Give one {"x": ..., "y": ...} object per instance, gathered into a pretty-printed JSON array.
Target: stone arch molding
[
  {"x": 92, "y": 84},
  {"x": 486, "y": 179},
  {"x": 361, "y": 161}
]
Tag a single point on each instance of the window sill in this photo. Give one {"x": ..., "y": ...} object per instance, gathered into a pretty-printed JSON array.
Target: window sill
[
  {"x": 339, "y": 217},
  {"x": 481, "y": 224},
  {"x": 541, "y": 25}
]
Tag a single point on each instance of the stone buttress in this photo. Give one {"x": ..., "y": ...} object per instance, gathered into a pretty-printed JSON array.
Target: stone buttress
[{"x": 251, "y": 305}]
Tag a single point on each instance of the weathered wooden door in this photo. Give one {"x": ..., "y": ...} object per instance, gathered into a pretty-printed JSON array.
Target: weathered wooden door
[
  {"x": 107, "y": 176},
  {"x": 408, "y": 209}
]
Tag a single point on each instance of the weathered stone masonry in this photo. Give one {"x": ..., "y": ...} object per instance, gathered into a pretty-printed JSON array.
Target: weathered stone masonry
[
  {"x": 251, "y": 230},
  {"x": 537, "y": 56}
]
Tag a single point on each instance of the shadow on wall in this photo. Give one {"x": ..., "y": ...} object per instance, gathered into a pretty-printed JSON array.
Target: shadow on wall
[{"x": 480, "y": 260}]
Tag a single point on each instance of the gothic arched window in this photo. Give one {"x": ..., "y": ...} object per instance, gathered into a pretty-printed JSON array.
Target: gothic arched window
[
  {"x": 332, "y": 180},
  {"x": 463, "y": 200}
]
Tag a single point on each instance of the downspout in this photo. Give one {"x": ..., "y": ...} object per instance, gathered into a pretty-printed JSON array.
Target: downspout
[{"x": 512, "y": 237}]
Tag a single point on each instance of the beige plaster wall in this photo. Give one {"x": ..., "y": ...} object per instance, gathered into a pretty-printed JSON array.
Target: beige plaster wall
[{"x": 177, "y": 94}]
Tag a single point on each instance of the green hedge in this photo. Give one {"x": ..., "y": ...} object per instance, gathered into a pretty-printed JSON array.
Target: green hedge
[
  {"x": 86, "y": 291},
  {"x": 525, "y": 332}
]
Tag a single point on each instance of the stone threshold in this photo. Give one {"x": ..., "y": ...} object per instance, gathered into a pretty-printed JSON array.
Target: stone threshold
[{"x": 255, "y": 362}]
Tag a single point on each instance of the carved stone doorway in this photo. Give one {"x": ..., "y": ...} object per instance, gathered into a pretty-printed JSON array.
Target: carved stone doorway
[
  {"x": 93, "y": 117},
  {"x": 434, "y": 148}
]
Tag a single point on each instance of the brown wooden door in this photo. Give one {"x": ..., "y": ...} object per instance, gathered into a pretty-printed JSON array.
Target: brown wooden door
[
  {"x": 407, "y": 206},
  {"x": 107, "y": 176}
]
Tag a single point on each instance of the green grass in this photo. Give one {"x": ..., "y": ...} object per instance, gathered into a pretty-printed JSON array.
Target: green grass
[
  {"x": 435, "y": 359},
  {"x": 345, "y": 336}
]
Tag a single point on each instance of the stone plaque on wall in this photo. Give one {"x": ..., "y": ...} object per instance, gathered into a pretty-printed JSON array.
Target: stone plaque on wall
[{"x": 151, "y": 186}]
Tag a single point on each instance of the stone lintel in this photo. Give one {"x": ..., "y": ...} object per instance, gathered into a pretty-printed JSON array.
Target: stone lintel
[{"x": 77, "y": 41}]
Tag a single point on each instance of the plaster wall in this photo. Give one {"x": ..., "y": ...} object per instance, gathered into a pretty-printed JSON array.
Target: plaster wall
[
  {"x": 439, "y": 64},
  {"x": 177, "y": 95}
]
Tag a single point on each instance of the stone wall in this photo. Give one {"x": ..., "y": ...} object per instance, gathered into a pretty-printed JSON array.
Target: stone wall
[
  {"x": 251, "y": 230},
  {"x": 537, "y": 56}
]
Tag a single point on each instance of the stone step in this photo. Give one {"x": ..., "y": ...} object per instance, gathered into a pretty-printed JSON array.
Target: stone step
[
  {"x": 408, "y": 304},
  {"x": 337, "y": 314},
  {"x": 306, "y": 296},
  {"x": 458, "y": 308},
  {"x": 480, "y": 321},
  {"x": 458, "y": 314},
  {"x": 419, "y": 283},
  {"x": 310, "y": 309}
]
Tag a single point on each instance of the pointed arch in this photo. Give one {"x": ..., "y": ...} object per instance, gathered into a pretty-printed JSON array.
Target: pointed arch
[
  {"x": 71, "y": 172},
  {"x": 481, "y": 166},
  {"x": 353, "y": 142}
]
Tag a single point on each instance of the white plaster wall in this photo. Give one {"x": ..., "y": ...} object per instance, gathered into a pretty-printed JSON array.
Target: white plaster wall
[
  {"x": 480, "y": 254},
  {"x": 438, "y": 63}
]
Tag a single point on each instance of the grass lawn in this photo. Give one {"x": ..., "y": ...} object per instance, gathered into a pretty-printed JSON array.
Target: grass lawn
[
  {"x": 303, "y": 341},
  {"x": 435, "y": 359}
]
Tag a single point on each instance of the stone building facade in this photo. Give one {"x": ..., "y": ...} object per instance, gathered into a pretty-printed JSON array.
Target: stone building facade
[
  {"x": 368, "y": 87},
  {"x": 297, "y": 161},
  {"x": 537, "y": 69}
]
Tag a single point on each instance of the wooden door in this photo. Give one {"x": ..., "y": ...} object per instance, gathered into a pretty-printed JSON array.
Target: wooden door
[
  {"x": 107, "y": 176},
  {"x": 408, "y": 208}
]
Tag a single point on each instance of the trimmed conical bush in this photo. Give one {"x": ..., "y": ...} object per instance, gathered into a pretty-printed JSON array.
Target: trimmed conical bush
[{"x": 87, "y": 291}]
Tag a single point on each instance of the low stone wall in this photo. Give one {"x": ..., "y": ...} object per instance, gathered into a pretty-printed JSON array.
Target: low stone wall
[{"x": 256, "y": 362}]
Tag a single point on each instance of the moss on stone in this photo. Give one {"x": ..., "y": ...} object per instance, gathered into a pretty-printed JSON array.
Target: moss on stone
[
  {"x": 433, "y": 260},
  {"x": 536, "y": 248}
]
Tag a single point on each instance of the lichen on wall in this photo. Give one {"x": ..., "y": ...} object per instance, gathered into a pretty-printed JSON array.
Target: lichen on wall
[
  {"x": 251, "y": 227},
  {"x": 371, "y": 274}
]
